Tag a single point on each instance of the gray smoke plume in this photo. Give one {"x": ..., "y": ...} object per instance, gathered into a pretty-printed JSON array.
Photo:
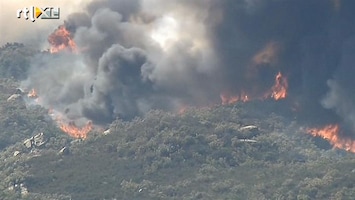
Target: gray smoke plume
[
  {"x": 135, "y": 55},
  {"x": 341, "y": 97}
]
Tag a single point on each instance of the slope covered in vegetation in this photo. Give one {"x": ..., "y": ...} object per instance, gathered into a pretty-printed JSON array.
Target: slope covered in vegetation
[
  {"x": 249, "y": 150},
  {"x": 202, "y": 154}
]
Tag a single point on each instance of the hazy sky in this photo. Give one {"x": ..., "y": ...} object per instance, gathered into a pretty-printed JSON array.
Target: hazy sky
[{"x": 13, "y": 29}]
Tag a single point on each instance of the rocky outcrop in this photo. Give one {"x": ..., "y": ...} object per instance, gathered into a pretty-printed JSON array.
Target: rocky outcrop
[
  {"x": 35, "y": 141},
  {"x": 19, "y": 91},
  {"x": 106, "y": 132},
  {"x": 38, "y": 140},
  {"x": 248, "y": 132},
  {"x": 20, "y": 188},
  {"x": 28, "y": 143},
  {"x": 248, "y": 128},
  {"x": 64, "y": 151},
  {"x": 14, "y": 97},
  {"x": 16, "y": 153}
]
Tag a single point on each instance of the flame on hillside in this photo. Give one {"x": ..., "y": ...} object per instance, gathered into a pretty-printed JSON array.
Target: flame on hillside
[
  {"x": 32, "y": 94},
  {"x": 331, "y": 133},
  {"x": 61, "y": 39},
  {"x": 70, "y": 128},
  {"x": 74, "y": 131},
  {"x": 231, "y": 99},
  {"x": 279, "y": 90}
]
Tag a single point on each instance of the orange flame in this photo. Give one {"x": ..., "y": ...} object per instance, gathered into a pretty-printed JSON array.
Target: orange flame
[
  {"x": 61, "y": 39},
  {"x": 279, "y": 90},
  {"x": 70, "y": 128},
  {"x": 231, "y": 99},
  {"x": 32, "y": 94},
  {"x": 331, "y": 133},
  {"x": 74, "y": 131}
]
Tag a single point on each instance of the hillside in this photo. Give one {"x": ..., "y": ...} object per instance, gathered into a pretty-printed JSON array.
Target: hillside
[
  {"x": 252, "y": 150},
  {"x": 201, "y": 154}
]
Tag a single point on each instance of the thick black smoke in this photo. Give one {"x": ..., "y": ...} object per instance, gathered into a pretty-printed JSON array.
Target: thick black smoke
[{"x": 136, "y": 55}]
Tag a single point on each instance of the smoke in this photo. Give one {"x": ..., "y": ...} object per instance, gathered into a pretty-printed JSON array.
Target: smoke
[
  {"x": 136, "y": 55},
  {"x": 340, "y": 96},
  {"x": 118, "y": 87}
]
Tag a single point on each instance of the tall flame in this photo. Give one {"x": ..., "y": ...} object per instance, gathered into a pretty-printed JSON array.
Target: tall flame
[
  {"x": 61, "y": 39},
  {"x": 279, "y": 90},
  {"x": 331, "y": 133}
]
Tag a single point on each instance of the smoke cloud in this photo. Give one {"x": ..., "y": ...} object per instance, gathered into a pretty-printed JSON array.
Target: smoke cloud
[
  {"x": 136, "y": 55},
  {"x": 340, "y": 96}
]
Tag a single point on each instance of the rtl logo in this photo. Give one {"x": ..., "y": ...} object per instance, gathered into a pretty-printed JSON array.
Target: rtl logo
[{"x": 34, "y": 13}]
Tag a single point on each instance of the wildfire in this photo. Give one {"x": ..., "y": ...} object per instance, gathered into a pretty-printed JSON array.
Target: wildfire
[
  {"x": 230, "y": 99},
  {"x": 331, "y": 133},
  {"x": 70, "y": 128},
  {"x": 74, "y": 131},
  {"x": 32, "y": 94},
  {"x": 279, "y": 90},
  {"x": 61, "y": 39}
]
